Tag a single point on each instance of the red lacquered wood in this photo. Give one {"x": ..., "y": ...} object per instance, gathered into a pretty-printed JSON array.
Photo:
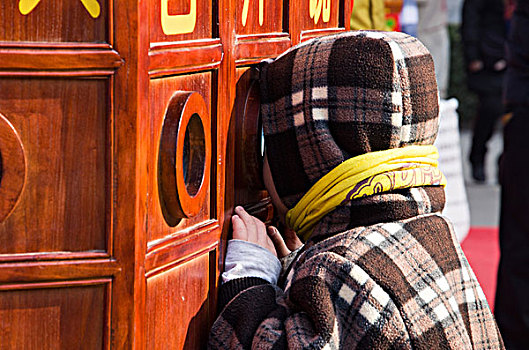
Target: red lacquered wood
[
  {"x": 63, "y": 126},
  {"x": 187, "y": 56},
  {"x": 55, "y": 21},
  {"x": 259, "y": 16},
  {"x": 58, "y": 270},
  {"x": 177, "y": 11},
  {"x": 88, "y": 95},
  {"x": 58, "y": 59},
  {"x": 180, "y": 296},
  {"x": 176, "y": 249},
  {"x": 254, "y": 48},
  {"x": 55, "y": 315},
  {"x": 161, "y": 91}
]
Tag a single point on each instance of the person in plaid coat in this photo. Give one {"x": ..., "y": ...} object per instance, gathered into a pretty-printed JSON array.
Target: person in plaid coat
[{"x": 349, "y": 121}]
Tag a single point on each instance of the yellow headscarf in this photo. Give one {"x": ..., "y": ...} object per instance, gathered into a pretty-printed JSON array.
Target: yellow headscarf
[{"x": 365, "y": 175}]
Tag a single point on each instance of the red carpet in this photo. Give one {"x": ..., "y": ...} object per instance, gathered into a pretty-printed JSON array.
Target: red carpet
[{"x": 482, "y": 250}]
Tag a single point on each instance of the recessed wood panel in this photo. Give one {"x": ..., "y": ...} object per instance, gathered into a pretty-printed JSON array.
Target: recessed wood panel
[
  {"x": 313, "y": 18},
  {"x": 316, "y": 14},
  {"x": 259, "y": 16},
  {"x": 162, "y": 92},
  {"x": 178, "y": 305},
  {"x": 54, "y": 20},
  {"x": 262, "y": 30},
  {"x": 53, "y": 318},
  {"x": 20, "y": 327},
  {"x": 173, "y": 20},
  {"x": 63, "y": 127}
]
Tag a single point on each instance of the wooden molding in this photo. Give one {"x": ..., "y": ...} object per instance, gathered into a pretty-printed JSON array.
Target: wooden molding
[
  {"x": 54, "y": 284},
  {"x": 176, "y": 250},
  {"x": 251, "y": 49},
  {"x": 311, "y": 34},
  {"x": 47, "y": 256},
  {"x": 185, "y": 56},
  {"x": 58, "y": 60},
  {"x": 16, "y": 272}
]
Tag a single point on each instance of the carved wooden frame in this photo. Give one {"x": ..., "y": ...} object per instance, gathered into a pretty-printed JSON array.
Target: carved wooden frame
[{"x": 175, "y": 200}]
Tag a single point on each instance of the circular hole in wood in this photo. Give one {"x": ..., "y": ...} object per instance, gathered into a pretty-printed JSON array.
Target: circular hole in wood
[
  {"x": 184, "y": 157},
  {"x": 194, "y": 155}
]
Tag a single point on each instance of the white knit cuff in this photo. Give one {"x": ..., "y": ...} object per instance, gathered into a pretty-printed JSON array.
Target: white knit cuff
[{"x": 245, "y": 259}]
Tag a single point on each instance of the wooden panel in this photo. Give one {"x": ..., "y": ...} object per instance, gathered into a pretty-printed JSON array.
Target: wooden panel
[
  {"x": 162, "y": 90},
  {"x": 179, "y": 305},
  {"x": 181, "y": 20},
  {"x": 317, "y": 14},
  {"x": 55, "y": 316},
  {"x": 179, "y": 57},
  {"x": 260, "y": 30},
  {"x": 181, "y": 247},
  {"x": 87, "y": 107},
  {"x": 255, "y": 48},
  {"x": 55, "y": 20},
  {"x": 63, "y": 126},
  {"x": 259, "y": 16},
  {"x": 20, "y": 327},
  {"x": 129, "y": 96},
  {"x": 316, "y": 17},
  {"x": 57, "y": 270},
  {"x": 21, "y": 59},
  {"x": 12, "y": 168}
]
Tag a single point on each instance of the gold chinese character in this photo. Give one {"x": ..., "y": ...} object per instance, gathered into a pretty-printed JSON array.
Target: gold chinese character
[
  {"x": 245, "y": 12},
  {"x": 179, "y": 24},
  {"x": 92, "y": 6},
  {"x": 316, "y": 7}
]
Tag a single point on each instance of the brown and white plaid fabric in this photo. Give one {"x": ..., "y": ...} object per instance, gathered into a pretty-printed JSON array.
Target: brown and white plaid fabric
[
  {"x": 396, "y": 284},
  {"x": 340, "y": 96},
  {"x": 380, "y": 272}
]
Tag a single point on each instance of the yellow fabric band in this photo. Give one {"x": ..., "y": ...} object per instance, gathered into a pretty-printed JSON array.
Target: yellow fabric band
[{"x": 362, "y": 176}]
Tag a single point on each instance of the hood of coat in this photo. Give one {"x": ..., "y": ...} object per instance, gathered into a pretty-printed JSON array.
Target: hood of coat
[{"x": 340, "y": 96}]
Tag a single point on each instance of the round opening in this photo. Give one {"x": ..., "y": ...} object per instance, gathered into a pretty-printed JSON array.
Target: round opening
[{"x": 194, "y": 155}]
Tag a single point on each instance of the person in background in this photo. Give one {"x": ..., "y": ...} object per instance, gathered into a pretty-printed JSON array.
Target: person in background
[
  {"x": 512, "y": 291},
  {"x": 409, "y": 17},
  {"x": 432, "y": 31},
  {"x": 368, "y": 14},
  {"x": 483, "y": 33},
  {"x": 349, "y": 121}
]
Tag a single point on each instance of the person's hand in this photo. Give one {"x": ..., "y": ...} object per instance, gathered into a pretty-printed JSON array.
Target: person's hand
[
  {"x": 475, "y": 66},
  {"x": 286, "y": 245},
  {"x": 251, "y": 229}
]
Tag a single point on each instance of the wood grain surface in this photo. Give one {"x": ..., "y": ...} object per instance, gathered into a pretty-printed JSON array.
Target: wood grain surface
[{"x": 112, "y": 115}]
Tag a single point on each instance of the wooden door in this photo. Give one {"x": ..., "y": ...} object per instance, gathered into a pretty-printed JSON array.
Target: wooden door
[
  {"x": 58, "y": 131},
  {"x": 128, "y": 131},
  {"x": 219, "y": 67}
]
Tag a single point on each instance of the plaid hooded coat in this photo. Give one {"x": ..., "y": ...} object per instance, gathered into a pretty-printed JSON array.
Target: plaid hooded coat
[{"x": 380, "y": 272}]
